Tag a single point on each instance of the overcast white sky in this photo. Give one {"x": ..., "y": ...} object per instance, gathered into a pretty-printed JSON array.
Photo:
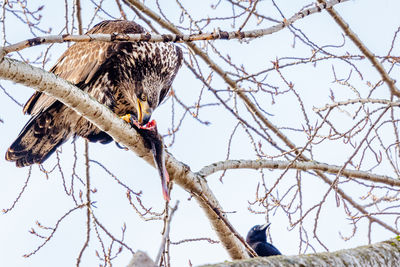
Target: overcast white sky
[{"x": 196, "y": 145}]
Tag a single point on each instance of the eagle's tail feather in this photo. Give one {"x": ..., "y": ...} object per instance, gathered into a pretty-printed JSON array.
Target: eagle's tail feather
[{"x": 38, "y": 140}]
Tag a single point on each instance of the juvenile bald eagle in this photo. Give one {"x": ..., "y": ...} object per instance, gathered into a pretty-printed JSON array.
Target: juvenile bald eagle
[{"x": 128, "y": 77}]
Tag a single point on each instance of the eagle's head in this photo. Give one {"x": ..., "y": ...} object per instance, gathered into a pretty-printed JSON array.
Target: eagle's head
[
  {"x": 148, "y": 75},
  {"x": 144, "y": 106},
  {"x": 142, "y": 97}
]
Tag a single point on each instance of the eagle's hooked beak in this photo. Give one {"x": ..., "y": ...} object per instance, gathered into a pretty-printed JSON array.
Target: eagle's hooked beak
[{"x": 144, "y": 112}]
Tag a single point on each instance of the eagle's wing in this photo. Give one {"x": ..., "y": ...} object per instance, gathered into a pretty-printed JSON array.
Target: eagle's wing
[
  {"x": 177, "y": 64},
  {"x": 78, "y": 65},
  {"x": 82, "y": 61},
  {"x": 52, "y": 123}
]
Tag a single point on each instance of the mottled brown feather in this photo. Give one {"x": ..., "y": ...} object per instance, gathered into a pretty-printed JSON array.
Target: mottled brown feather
[
  {"x": 114, "y": 73},
  {"x": 79, "y": 63}
]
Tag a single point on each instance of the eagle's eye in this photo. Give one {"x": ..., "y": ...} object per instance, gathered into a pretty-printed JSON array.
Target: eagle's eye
[{"x": 143, "y": 97}]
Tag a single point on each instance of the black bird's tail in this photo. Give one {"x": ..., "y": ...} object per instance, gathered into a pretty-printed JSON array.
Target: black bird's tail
[{"x": 38, "y": 140}]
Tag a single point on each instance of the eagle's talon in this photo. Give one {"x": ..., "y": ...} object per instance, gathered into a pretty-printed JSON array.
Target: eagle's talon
[
  {"x": 138, "y": 89},
  {"x": 127, "y": 118},
  {"x": 133, "y": 121},
  {"x": 121, "y": 147}
]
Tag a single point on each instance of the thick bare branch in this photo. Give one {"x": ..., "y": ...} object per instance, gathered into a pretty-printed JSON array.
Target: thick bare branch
[
  {"x": 370, "y": 141},
  {"x": 177, "y": 37},
  {"x": 124, "y": 134},
  {"x": 385, "y": 253},
  {"x": 141, "y": 259},
  {"x": 298, "y": 165},
  {"x": 252, "y": 107}
]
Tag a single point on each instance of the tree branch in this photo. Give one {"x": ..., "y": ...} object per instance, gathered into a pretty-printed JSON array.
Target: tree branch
[
  {"x": 124, "y": 134},
  {"x": 177, "y": 37},
  {"x": 357, "y": 101},
  {"x": 386, "y": 253},
  {"x": 357, "y": 41},
  {"x": 252, "y": 107},
  {"x": 166, "y": 233},
  {"x": 298, "y": 165}
]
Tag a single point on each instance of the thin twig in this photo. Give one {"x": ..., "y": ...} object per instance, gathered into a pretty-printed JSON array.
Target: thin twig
[
  {"x": 176, "y": 37},
  {"x": 166, "y": 233},
  {"x": 88, "y": 204},
  {"x": 79, "y": 16},
  {"x": 363, "y": 48}
]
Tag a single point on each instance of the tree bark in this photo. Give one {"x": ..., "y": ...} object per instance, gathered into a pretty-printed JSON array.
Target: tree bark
[
  {"x": 386, "y": 253},
  {"x": 124, "y": 134}
]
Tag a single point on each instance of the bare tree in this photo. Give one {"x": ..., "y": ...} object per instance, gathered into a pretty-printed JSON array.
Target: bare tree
[{"x": 298, "y": 98}]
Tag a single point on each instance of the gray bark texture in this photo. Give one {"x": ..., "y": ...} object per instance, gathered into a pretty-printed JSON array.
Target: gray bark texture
[
  {"x": 141, "y": 259},
  {"x": 125, "y": 135},
  {"x": 386, "y": 253}
]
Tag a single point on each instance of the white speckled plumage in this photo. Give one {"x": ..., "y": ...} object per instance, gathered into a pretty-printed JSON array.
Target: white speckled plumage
[{"x": 116, "y": 74}]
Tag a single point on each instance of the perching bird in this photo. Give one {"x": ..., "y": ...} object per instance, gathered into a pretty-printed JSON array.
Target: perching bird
[
  {"x": 257, "y": 239},
  {"x": 128, "y": 77}
]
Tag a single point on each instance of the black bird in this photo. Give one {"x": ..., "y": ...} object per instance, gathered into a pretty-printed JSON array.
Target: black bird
[{"x": 257, "y": 239}]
